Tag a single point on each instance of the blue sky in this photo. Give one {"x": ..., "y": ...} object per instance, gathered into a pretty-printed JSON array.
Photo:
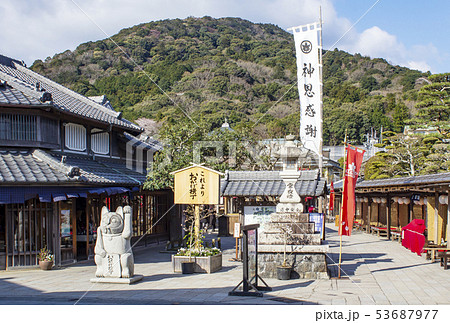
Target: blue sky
[{"x": 413, "y": 33}]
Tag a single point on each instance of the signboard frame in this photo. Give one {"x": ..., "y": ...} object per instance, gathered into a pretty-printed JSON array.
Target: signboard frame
[{"x": 250, "y": 288}]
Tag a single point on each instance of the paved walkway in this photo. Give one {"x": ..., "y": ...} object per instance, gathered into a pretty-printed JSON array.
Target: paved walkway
[{"x": 379, "y": 271}]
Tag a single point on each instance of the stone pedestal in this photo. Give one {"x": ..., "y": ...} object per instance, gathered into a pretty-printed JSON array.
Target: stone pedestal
[
  {"x": 115, "y": 280},
  {"x": 304, "y": 251}
]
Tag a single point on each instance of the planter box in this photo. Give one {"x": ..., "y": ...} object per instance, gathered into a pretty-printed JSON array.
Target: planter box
[{"x": 208, "y": 264}]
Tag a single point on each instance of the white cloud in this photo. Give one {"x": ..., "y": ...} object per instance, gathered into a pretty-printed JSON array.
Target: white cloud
[
  {"x": 420, "y": 66},
  {"x": 40, "y": 28}
]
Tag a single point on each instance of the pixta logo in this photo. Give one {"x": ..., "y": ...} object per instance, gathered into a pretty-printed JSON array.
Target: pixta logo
[{"x": 135, "y": 156}]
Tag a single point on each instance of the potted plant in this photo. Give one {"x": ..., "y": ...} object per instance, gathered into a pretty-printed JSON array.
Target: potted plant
[
  {"x": 196, "y": 257},
  {"x": 45, "y": 258},
  {"x": 284, "y": 271}
]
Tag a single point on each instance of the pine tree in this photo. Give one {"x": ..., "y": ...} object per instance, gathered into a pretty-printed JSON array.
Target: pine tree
[{"x": 434, "y": 105}]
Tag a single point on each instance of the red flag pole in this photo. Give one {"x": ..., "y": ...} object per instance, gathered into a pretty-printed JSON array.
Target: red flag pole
[{"x": 342, "y": 203}]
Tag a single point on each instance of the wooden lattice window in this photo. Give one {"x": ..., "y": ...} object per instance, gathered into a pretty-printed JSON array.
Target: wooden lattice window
[
  {"x": 75, "y": 137},
  {"x": 99, "y": 142},
  {"x": 18, "y": 127}
]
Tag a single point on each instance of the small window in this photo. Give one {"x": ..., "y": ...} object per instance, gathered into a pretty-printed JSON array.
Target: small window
[
  {"x": 75, "y": 137},
  {"x": 99, "y": 142}
]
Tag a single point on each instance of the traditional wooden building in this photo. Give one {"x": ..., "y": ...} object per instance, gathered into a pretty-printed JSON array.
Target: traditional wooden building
[
  {"x": 385, "y": 206},
  {"x": 62, "y": 157}
]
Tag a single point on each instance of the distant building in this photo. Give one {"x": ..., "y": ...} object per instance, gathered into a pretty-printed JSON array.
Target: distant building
[{"x": 426, "y": 130}]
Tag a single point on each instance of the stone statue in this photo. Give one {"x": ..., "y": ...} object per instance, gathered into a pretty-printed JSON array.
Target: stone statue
[{"x": 113, "y": 254}]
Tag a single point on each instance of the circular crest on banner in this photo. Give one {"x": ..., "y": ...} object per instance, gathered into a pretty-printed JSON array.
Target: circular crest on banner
[{"x": 306, "y": 46}]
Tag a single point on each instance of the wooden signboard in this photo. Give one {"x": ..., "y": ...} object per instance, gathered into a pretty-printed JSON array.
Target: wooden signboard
[
  {"x": 237, "y": 230},
  {"x": 197, "y": 185}
]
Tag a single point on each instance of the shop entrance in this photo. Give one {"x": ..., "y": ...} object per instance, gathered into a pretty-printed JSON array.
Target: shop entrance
[
  {"x": 2, "y": 237},
  {"x": 82, "y": 229},
  {"x": 66, "y": 226},
  {"x": 73, "y": 230}
]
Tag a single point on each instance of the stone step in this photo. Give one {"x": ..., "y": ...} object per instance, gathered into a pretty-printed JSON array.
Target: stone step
[
  {"x": 293, "y": 248},
  {"x": 292, "y": 239},
  {"x": 289, "y": 217},
  {"x": 289, "y": 227}
]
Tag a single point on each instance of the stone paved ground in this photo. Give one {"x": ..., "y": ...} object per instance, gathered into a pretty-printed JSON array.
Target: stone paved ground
[{"x": 379, "y": 272}]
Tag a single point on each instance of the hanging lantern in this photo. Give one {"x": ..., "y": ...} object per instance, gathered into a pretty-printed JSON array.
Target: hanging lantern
[
  {"x": 400, "y": 200},
  {"x": 395, "y": 199},
  {"x": 421, "y": 201},
  {"x": 425, "y": 200},
  {"x": 443, "y": 199},
  {"x": 366, "y": 199},
  {"x": 406, "y": 200}
]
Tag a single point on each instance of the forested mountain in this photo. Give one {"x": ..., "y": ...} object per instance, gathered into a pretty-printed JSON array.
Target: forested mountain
[{"x": 229, "y": 67}]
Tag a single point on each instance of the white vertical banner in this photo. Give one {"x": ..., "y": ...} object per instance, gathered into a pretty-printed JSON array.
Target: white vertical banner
[{"x": 309, "y": 71}]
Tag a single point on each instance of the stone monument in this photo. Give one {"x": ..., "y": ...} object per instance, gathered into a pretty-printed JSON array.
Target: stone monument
[
  {"x": 289, "y": 229},
  {"x": 113, "y": 254}
]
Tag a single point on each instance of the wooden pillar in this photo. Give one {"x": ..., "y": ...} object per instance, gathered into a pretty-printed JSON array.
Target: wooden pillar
[
  {"x": 88, "y": 216},
  {"x": 369, "y": 211},
  {"x": 411, "y": 209},
  {"x": 73, "y": 219},
  {"x": 225, "y": 205},
  {"x": 436, "y": 217},
  {"x": 320, "y": 208},
  {"x": 388, "y": 214},
  {"x": 7, "y": 236},
  {"x": 378, "y": 214},
  {"x": 447, "y": 238},
  {"x": 57, "y": 230}
]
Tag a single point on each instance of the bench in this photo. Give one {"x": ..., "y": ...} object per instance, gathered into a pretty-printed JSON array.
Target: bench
[
  {"x": 441, "y": 251},
  {"x": 445, "y": 257},
  {"x": 396, "y": 235},
  {"x": 380, "y": 231},
  {"x": 357, "y": 225}
]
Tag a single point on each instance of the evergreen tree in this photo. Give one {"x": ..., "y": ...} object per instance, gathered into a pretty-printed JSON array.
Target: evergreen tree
[
  {"x": 401, "y": 114},
  {"x": 434, "y": 105}
]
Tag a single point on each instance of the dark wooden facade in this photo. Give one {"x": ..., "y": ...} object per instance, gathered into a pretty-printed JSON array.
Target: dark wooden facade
[{"x": 60, "y": 124}]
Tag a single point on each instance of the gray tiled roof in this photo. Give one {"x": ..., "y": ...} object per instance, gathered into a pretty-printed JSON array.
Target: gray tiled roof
[
  {"x": 22, "y": 167},
  {"x": 64, "y": 99},
  {"x": 440, "y": 178},
  {"x": 99, "y": 171},
  {"x": 269, "y": 183},
  {"x": 149, "y": 143},
  {"x": 12, "y": 96},
  {"x": 39, "y": 167},
  {"x": 411, "y": 180}
]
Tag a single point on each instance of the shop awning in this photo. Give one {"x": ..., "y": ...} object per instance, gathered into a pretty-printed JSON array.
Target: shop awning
[{"x": 10, "y": 195}]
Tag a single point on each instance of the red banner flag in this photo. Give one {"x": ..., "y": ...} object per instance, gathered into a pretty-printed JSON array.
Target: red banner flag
[
  {"x": 331, "y": 204},
  {"x": 352, "y": 166}
]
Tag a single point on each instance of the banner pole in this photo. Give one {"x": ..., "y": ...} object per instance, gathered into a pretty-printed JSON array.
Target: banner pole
[
  {"x": 321, "y": 95},
  {"x": 342, "y": 204}
]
